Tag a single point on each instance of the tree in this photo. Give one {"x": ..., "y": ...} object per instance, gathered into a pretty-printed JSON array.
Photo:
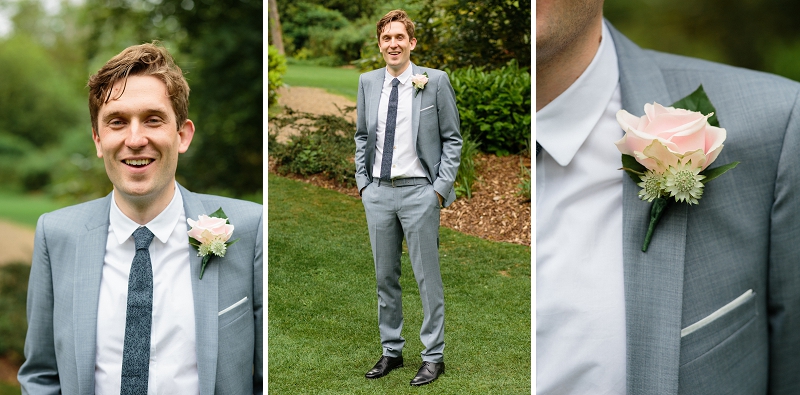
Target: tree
[{"x": 275, "y": 27}]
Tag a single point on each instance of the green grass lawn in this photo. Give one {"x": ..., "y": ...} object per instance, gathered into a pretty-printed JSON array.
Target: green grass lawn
[
  {"x": 335, "y": 80},
  {"x": 25, "y": 209},
  {"x": 323, "y": 330}
]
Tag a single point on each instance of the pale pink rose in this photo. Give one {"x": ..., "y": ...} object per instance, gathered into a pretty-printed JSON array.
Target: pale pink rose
[
  {"x": 419, "y": 80},
  {"x": 208, "y": 229},
  {"x": 665, "y": 136}
]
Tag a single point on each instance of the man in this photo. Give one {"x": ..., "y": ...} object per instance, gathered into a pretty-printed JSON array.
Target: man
[
  {"x": 713, "y": 306},
  {"x": 408, "y": 148},
  {"x": 116, "y": 302}
]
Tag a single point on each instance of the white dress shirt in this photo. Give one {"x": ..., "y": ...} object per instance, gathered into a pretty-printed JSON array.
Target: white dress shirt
[
  {"x": 173, "y": 359},
  {"x": 580, "y": 299},
  {"x": 405, "y": 162}
]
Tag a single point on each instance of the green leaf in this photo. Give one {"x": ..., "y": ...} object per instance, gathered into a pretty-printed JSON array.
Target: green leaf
[
  {"x": 633, "y": 168},
  {"x": 220, "y": 214},
  {"x": 716, "y": 172},
  {"x": 699, "y": 101}
]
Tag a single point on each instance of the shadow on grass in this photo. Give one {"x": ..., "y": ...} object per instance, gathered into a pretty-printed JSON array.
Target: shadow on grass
[{"x": 322, "y": 328}]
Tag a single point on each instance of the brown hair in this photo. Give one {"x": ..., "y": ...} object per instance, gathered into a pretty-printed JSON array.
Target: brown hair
[
  {"x": 396, "y": 16},
  {"x": 144, "y": 60}
]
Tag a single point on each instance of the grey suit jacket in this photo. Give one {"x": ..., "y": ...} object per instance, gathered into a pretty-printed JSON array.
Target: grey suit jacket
[
  {"x": 64, "y": 289},
  {"x": 435, "y": 126},
  {"x": 744, "y": 235}
]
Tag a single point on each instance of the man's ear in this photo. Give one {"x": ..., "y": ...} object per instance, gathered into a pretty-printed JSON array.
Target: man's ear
[
  {"x": 96, "y": 139},
  {"x": 185, "y": 133},
  {"x": 413, "y": 42}
]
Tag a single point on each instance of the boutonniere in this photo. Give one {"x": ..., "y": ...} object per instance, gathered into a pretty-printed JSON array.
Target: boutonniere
[
  {"x": 668, "y": 150},
  {"x": 419, "y": 81},
  {"x": 209, "y": 235}
]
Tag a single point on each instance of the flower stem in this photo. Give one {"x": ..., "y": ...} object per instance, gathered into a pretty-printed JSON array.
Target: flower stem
[{"x": 656, "y": 211}]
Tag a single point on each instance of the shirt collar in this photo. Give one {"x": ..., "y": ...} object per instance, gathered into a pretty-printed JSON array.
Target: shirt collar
[
  {"x": 161, "y": 226},
  {"x": 563, "y": 125},
  {"x": 403, "y": 77}
]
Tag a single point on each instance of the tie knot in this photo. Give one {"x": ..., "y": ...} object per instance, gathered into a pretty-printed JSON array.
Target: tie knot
[
  {"x": 142, "y": 237},
  {"x": 395, "y": 82}
]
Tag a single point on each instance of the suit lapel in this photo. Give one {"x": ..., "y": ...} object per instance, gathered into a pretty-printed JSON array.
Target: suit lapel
[
  {"x": 653, "y": 280},
  {"x": 415, "y": 107},
  {"x": 375, "y": 99},
  {"x": 205, "y": 294},
  {"x": 88, "y": 270}
]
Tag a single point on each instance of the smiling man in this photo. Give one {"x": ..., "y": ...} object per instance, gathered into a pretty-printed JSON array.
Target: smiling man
[
  {"x": 117, "y": 303},
  {"x": 408, "y": 148}
]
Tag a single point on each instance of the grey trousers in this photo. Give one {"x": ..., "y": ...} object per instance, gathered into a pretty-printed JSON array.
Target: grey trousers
[{"x": 413, "y": 212}]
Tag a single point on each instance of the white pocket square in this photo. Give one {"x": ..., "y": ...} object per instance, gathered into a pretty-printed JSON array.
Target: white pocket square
[
  {"x": 426, "y": 108},
  {"x": 231, "y": 307},
  {"x": 719, "y": 313}
]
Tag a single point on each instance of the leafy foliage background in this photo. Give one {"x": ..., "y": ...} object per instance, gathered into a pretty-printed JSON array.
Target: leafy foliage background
[{"x": 45, "y": 133}]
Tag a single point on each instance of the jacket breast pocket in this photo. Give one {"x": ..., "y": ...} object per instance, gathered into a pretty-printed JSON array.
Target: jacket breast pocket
[
  {"x": 709, "y": 332},
  {"x": 234, "y": 312}
]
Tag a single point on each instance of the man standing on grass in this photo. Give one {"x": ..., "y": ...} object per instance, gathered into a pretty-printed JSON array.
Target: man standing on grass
[
  {"x": 119, "y": 302},
  {"x": 408, "y": 148}
]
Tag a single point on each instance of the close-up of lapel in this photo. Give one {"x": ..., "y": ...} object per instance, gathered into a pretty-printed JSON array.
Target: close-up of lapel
[
  {"x": 653, "y": 279},
  {"x": 205, "y": 294},
  {"x": 415, "y": 107},
  {"x": 89, "y": 257}
]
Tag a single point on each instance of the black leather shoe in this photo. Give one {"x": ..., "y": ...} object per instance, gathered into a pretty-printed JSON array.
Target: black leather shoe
[
  {"x": 384, "y": 366},
  {"x": 429, "y": 372}
]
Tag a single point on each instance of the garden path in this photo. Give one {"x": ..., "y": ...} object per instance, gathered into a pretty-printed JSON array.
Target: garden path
[
  {"x": 494, "y": 212},
  {"x": 16, "y": 243}
]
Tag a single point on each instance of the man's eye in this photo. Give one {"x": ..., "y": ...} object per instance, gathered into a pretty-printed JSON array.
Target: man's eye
[{"x": 116, "y": 123}]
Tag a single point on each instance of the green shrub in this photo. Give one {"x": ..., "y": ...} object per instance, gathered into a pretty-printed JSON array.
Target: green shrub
[
  {"x": 13, "y": 150},
  {"x": 277, "y": 68},
  {"x": 13, "y": 322},
  {"x": 495, "y": 107},
  {"x": 324, "y": 145},
  {"x": 466, "y": 171},
  {"x": 80, "y": 175}
]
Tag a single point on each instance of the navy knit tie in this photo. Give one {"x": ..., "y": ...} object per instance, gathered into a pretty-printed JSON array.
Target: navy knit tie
[
  {"x": 138, "y": 319},
  {"x": 388, "y": 139}
]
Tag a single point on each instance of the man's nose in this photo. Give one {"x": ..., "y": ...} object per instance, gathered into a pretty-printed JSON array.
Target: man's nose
[{"x": 136, "y": 137}]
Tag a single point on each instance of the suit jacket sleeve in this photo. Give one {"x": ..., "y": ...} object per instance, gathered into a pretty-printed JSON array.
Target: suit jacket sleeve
[
  {"x": 450, "y": 135},
  {"x": 362, "y": 178},
  {"x": 39, "y": 373},
  {"x": 784, "y": 269}
]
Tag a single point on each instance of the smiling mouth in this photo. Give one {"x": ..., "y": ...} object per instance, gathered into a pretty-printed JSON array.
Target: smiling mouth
[{"x": 138, "y": 162}]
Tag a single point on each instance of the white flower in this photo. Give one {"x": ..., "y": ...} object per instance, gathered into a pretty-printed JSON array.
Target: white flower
[
  {"x": 683, "y": 183},
  {"x": 652, "y": 185},
  {"x": 216, "y": 247}
]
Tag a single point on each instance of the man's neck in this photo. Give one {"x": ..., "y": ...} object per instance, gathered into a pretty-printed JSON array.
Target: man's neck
[
  {"x": 395, "y": 73},
  {"x": 143, "y": 209},
  {"x": 560, "y": 71}
]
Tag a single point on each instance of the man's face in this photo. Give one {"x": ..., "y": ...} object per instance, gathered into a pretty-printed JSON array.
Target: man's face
[
  {"x": 560, "y": 22},
  {"x": 139, "y": 141},
  {"x": 396, "y": 47}
]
